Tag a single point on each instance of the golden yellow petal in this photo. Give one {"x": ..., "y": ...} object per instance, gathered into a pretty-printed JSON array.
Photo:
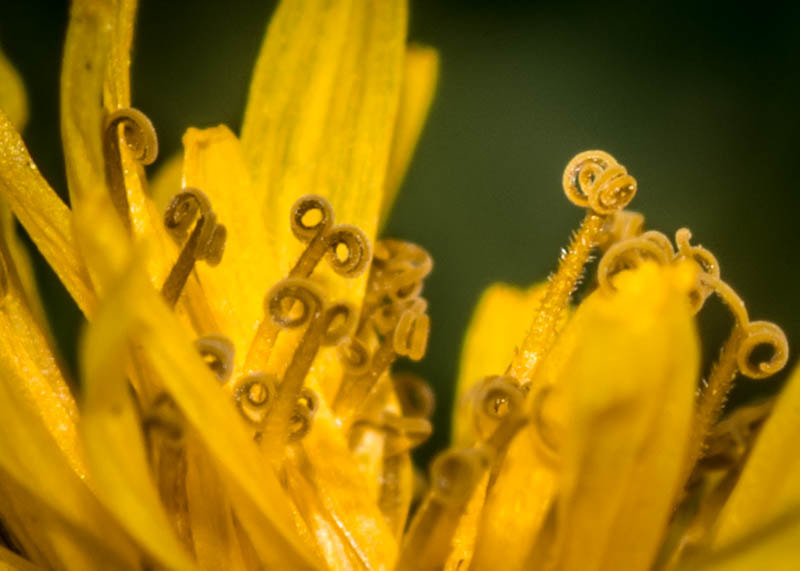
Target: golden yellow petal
[
  {"x": 13, "y": 101},
  {"x": 321, "y": 115},
  {"x": 498, "y": 324},
  {"x": 257, "y": 496},
  {"x": 420, "y": 75},
  {"x": 44, "y": 216},
  {"x": 770, "y": 481},
  {"x": 112, "y": 437},
  {"x": 628, "y": 363},
  {"x": 236, "y": 287},
  {"x": 774, "y": 546}
]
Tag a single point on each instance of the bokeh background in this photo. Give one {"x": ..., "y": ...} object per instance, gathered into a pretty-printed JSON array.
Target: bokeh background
[{"x": 698, "y": 99}]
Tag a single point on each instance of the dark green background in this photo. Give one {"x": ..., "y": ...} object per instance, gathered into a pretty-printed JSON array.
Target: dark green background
[{"x": 699, "y": 100}]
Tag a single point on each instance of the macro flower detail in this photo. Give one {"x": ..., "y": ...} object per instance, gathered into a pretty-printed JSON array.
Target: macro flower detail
[{"x": 237, "y": 407}]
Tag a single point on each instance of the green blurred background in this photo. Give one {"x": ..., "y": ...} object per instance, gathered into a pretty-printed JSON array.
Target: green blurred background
[{"x": 698, "y": 99}]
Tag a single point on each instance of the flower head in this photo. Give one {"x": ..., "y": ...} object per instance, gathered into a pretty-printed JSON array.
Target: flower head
[{"x": 237, "y": 407}]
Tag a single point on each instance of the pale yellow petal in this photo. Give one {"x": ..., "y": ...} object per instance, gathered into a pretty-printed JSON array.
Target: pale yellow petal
[
  {"x": 43, "y": 215},
  {"x": 498, "y": 324},
  {"x": 117, "y": 84},
  {"x": 257, "y": 496},
  {"x": 321, "y": 115},
  {"x": 13, "y": 101},
  {"x": 770, "y": 482},
  {"x": 235, "y": 288},
  {"x": 420, "y": 75},
  {"x": 114, "y": 445},
  {"x": 627, "y": 365}
]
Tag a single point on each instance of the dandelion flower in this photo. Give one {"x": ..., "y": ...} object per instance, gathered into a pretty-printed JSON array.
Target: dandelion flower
[{"x": 236, "y": 405}]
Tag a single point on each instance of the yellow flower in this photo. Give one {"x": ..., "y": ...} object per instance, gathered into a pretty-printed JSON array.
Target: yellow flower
[{"x": 236, "y": 405}]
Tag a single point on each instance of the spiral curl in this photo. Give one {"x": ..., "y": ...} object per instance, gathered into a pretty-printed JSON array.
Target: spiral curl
[
  {"x": 595, "y": 180},
  {"x": 254, "y": 395},
  {"x": 345, "y": 246},
  {"x": 140, "y": 137},
  {"x": 218, "y": 353},
  {"x": 206, "y": 241}
]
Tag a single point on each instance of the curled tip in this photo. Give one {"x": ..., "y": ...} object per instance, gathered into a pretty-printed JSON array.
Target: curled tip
[
  {"x": 340, "y": 319},
  {"x": 455, "y": 473},
  {"x": 182, "y": 211},
  {"x": 416, "y": 397},
  {"x": 348, "y": 250},
  {"x": 594, "y": 179},
  {"x": 310, "y": 216},
  {"x": 218, "y": 353},
  {"x": 498, "y": 399},
  {"x": 355, "y": 356},
  {"x": 254, "y": 394},
  {"x": 303, "y": 415},
  {"x": 139, "y": 133},
  {"x": 764, "y": 350},
  {"x": 292, "y": 302},
  {"x": 411, "y": 334}
]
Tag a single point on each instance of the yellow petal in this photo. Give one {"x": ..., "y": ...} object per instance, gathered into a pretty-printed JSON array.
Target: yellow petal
[
  {"x": 627, "y": 364},
  {"x": 117, "y": 84},
  {"x": 775, "y": 546},
  {"x": 519, "y": 499},
  {"x": 112, "y": 437},
  {"x": 13, "y": 101},
  {"x": 498, "y": 324},
  {"x": 44, "y": 216},
  {"x": 98, "y": 228},
  {"x": 421, "y": 72},
  {"x": 42, "y": 493},
  {"x": 770, "y": 481},
  {"x": 321, "y": 114},
  {"x": 167, "y": 180},
  {"x": 235, "y": 288},
  {"x": 257, "y": 496},
  {"x": 10, "y": 560}
]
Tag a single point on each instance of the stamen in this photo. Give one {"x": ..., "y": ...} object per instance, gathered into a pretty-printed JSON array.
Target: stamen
[
  {"x": 218, "y": 353},
  {"x": 163, "y": 426},
  {"x": 348, "y": 253},
  {"x": 325, "y": 325},
  {"x": 456, "y": 474},
  {"x": 416, "y": 397},
  {"x": 3, "y": 279},
  {"x": 622, "y": 225},
  {"x": 592, "y": 180},
  {"x": 630, "y": 253},
  {"x": 206, "y": 242},
  {"x": 324, "y": 238},
  {"x": 404, "y": 331},
  {"x": 140, "y": 137},
  {"x": 254, "y": 395}
]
